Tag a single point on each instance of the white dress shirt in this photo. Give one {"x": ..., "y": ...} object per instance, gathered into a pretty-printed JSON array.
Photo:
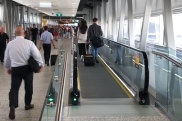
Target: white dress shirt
[{"x": 18, "y": 52}]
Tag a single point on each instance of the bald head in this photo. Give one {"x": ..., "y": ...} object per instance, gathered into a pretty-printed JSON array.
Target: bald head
[
  {"x": 2, "y": 29},
  {"x": 19, "y": 31}
]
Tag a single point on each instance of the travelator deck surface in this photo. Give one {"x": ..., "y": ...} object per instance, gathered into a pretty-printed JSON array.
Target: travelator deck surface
[
  {"x": 102, "y": 99},
  {"x": 97, "y": 82}
]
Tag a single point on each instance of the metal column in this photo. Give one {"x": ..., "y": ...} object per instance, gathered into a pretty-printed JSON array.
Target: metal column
[
  {"x": 114, "y": 16},
  {"x": 168, "y": 25},
  {"x": 145, "y": 25},
  {"x": 130, "y": 23},
  {"x": 121, "y": 21}
]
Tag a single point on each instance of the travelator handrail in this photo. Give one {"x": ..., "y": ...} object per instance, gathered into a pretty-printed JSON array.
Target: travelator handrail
[
  {"x": 168, "y": 85},
  {"x": 60, "y": 64},
  {"x": 146, "y": 85},
  {"x": 168, "y": 58},
  {"x": 138, "y": 83}
]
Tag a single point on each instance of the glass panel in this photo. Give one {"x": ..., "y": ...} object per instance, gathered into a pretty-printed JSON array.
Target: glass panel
[
  {"x": 161, "y": 77},
  {"x": 155, "y": 32},
  {"x": 51, "y": 102},
  {"x": 177, "y": 29},
  {"x": 169, "y": 87},
  {"x": 25, "y": 17},
  {"x": 35, "y": 19},
  {"x": 125, "y": 29},
  {"x": 126, "y": 62},
  {"x": 137, "y": 28},
  {"x": 175, "y": 92},
  {"x": 31, "y": 18}
]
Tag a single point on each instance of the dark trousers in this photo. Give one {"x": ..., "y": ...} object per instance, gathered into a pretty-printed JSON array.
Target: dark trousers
[
  {"x": 81, "y": 47},
  {"x": 34, "y": 39},
  {"x": 17, "y": 74},
  {"x": 2, "y": 51},
  {"x": 47, "y": 51}
]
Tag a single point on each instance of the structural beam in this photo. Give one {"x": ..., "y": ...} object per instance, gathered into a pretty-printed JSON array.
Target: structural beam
[
  {"x": 114, "y": 16},
  {"x": 130, "y": 23},
  {"x": 168, "y": 25},
  {"x": 145, "y": 25},
  {"x": 121, "y": 21}
]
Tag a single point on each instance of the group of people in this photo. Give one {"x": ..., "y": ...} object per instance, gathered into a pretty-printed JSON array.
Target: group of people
[
  {"x": 85, "y": 35},
  {"x": 19, "y": 50},
  {"x": 33, "y": 33}
]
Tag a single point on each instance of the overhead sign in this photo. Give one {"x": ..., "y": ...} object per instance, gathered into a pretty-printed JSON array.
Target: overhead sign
[{"x": 59, "y": 14}]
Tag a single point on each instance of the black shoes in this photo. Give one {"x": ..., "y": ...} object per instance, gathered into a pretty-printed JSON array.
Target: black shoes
[
  {"x": 47, "y": 62},
  {"x": 28, "y": 107},
  {"x": 96, "y": 61},
  {"x": 12, "y": 113}
]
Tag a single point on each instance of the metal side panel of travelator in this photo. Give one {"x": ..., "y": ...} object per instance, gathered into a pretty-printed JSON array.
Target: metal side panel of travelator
[
  {"x": 74, "y": 98},
  {"x": 130, "y": 65}
]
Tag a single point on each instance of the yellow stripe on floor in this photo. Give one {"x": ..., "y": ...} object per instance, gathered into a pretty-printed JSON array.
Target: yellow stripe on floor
[
  {"x": 117, "y": 79},
  {"x": 78, "y": 80}
]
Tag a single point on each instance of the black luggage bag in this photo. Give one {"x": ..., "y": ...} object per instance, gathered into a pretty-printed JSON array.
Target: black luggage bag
[
  {"x": 89, "y": 60},
  {"x": 53, "y": 59}
]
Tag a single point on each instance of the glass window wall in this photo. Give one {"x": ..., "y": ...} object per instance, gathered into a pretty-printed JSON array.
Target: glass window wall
[{"x": 177, "y": 24}]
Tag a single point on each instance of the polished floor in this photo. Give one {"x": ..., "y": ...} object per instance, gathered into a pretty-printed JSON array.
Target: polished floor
[{"x": 40, "y": 86}]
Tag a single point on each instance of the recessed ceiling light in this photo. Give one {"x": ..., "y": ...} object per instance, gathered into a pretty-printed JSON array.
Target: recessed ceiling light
[{"x": 46, "y": 5}]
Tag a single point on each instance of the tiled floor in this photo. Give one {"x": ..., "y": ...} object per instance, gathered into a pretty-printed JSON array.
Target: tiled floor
[{"x": 40, "y": 86}]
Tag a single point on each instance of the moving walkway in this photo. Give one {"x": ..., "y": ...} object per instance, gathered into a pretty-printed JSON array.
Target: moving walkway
[{"x": 110, "y": 90}]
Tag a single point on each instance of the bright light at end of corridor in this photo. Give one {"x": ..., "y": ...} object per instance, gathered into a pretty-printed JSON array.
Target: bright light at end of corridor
[{"x": 46, "y": 5}]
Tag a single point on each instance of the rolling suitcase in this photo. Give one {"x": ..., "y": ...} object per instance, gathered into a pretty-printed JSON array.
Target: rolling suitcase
[
  {"x": 53, "y": 59},
  {"x": 89, "y": 60}
]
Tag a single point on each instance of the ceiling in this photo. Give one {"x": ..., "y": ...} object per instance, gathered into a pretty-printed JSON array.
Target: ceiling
[
  {"x": 66, "y": 7},
  {"x": 87, "y": 4}
]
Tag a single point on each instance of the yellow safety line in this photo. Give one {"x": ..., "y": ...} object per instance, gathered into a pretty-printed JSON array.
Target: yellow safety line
[
  {"x": 78, "y": 80},
  {"x": 117, "y": 80}
]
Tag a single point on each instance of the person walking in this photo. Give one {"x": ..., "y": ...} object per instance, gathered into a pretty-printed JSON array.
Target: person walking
[
  {"x": 46, "y": 40},
  {"x": 17, "y": 54},
  {"x": 34, "y": 32},
  {"x": 94, "y": 31},
  {"x": 4, "y": 39},
  {"x": 82, "y": 38},
  {"x": 27, "y": 33}
]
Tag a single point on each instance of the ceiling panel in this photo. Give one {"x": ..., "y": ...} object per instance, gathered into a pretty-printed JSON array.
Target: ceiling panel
[{"x": 66, "y": 7}]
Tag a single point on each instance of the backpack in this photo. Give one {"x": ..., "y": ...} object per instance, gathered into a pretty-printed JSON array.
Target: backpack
[{"x": 97, "y": 41}]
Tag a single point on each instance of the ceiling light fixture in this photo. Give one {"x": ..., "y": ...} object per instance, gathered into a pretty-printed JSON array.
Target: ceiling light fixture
[{"x": 46, "y": 5}]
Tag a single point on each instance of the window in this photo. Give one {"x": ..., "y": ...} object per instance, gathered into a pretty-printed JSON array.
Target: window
[
  {"x": 137, "y": 28},
  {"x": 25, "y": 17},
  {"x": 1, "y": 13},
  {"x": 39, "y": 20},
  {"x": 35, "y": 19},
  {"x": 156, "y": 30},
  {"x": 125, "y": 31},
  {"x": 31, "y": 18},
  {"x": 177, "y": 25}
]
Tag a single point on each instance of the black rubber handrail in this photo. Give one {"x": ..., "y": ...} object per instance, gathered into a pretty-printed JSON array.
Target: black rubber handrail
[
  {"x": 146, "y": 84},
  {"x": 168, "y": 58}
]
